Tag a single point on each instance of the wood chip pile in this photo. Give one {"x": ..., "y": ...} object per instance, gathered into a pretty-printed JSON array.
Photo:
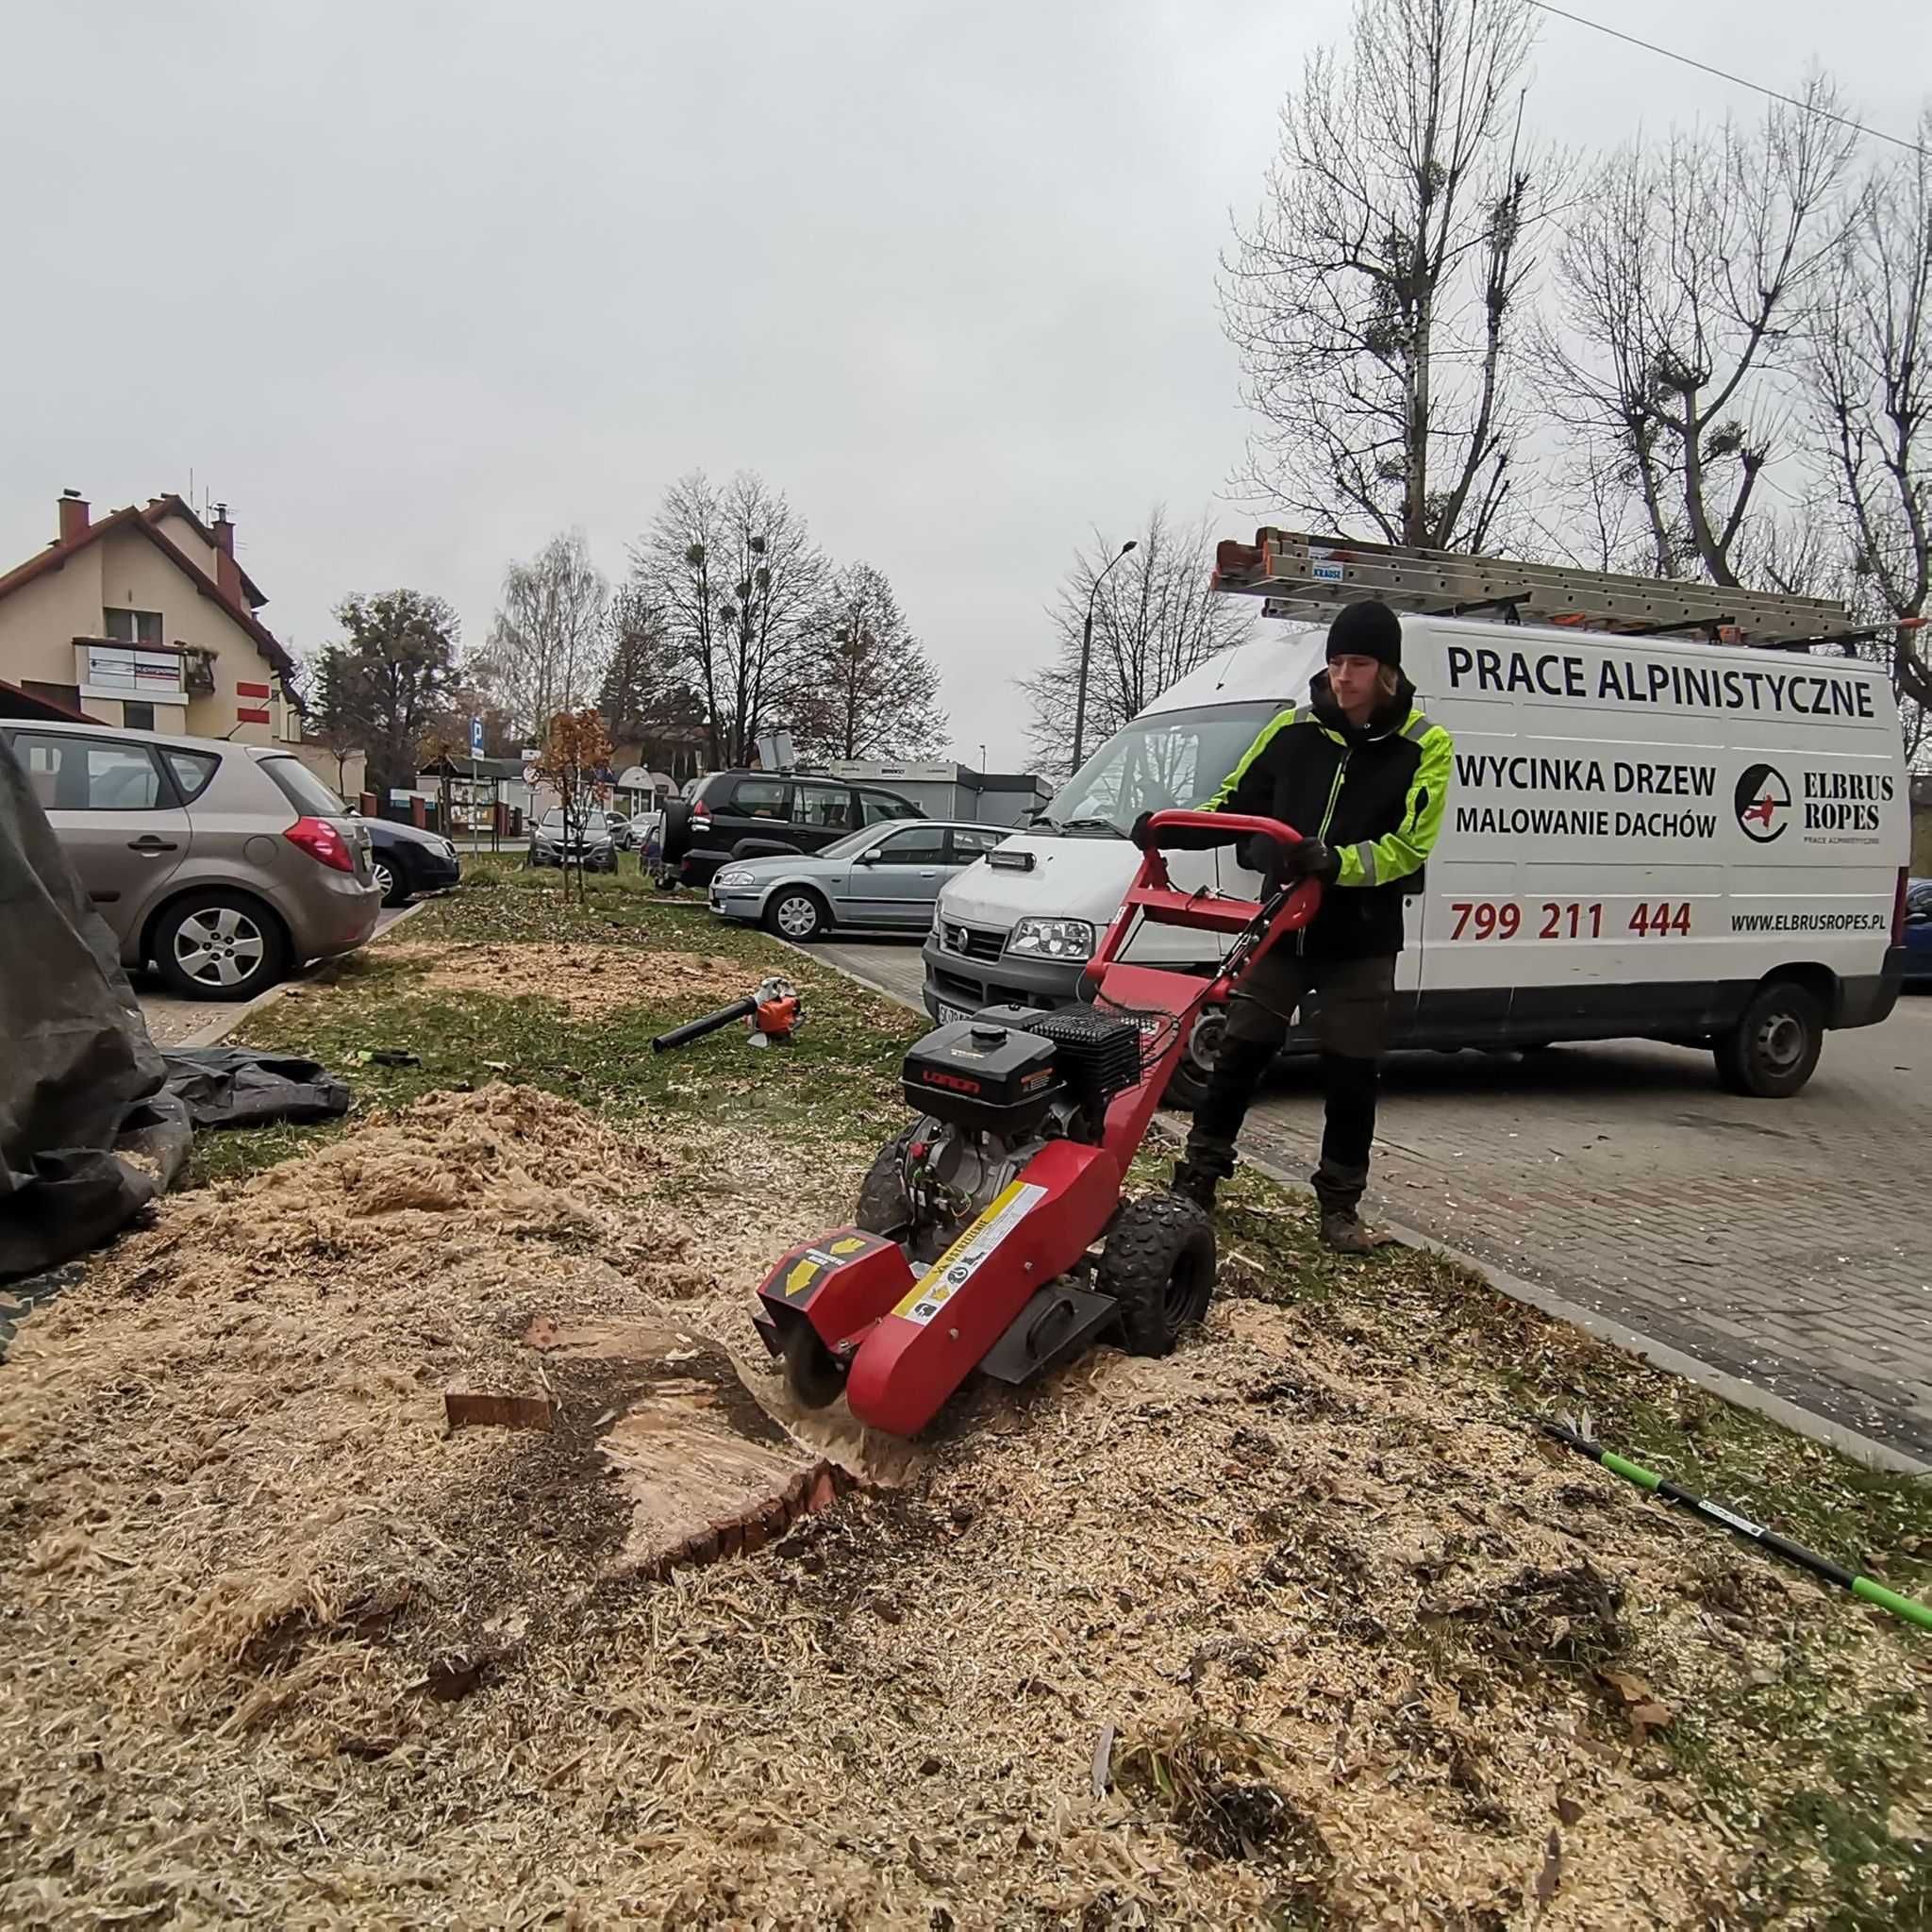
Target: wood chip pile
[{"x": 1291, "y": 1626}]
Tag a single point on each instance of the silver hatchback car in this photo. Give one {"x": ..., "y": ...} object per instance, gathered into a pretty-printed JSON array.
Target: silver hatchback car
[
  {"x": 888, "y": 874},
  {"x": 224, "y": 865}
]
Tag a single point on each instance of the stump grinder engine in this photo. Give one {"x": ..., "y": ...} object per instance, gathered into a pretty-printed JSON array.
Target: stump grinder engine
[{"x": 991, "y": 1234}]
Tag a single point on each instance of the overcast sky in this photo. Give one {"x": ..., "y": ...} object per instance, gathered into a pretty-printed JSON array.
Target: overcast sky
[{"x": 413, "y": 286}]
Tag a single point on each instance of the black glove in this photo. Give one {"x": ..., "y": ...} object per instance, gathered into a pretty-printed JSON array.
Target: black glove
[{"x": 1308, "y": 859}]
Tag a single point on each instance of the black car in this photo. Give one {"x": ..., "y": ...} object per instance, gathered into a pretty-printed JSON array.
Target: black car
[
  {"x": 407, "y": 862},
  {"x": 761, "y": 814}
]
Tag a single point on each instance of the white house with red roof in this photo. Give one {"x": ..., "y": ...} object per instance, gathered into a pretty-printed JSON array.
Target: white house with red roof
[{"x": 144, "y": 619}]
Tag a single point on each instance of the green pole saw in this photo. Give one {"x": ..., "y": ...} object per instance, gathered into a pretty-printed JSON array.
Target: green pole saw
[{"x": 1862, "y": 1587}]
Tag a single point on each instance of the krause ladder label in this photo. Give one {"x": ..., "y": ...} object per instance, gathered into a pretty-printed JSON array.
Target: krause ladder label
[{"x": 969, "y": 1253}]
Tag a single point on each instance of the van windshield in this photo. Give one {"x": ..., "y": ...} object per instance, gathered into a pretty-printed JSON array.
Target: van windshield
[{"x": 1162, "y": 760}]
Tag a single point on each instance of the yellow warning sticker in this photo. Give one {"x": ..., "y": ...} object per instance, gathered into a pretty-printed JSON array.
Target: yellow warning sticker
[
  {"x": 850, "y": 1244},
  {"x": 969, "y": 1253},
  {"x": 802, "y": 1276}
]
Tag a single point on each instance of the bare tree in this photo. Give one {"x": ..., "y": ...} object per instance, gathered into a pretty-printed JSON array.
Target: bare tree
[
  {"x": 573, "y": 758},
  {"x": 738, "y": 579},
  {"x": 1374, "y": 299},
  {"x": 867, "y": 689},
  {"x": 1157, "y": 618},
  {"x": 1868, "y": 382},
  {"x": 546, "y": 653},
  {"x": 1683, "y": 273}
]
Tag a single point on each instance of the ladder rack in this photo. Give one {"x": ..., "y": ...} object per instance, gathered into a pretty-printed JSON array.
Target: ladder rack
[{"x": 1299, "y": 575}]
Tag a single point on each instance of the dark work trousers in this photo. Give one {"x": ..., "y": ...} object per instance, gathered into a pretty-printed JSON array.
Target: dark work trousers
[{"x": 1345, "y": 1003}]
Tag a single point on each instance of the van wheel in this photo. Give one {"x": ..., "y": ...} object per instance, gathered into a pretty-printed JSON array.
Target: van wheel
[
  {"x": 1774, "y": 1047},
  {"x": 1187, "y": 1086}
]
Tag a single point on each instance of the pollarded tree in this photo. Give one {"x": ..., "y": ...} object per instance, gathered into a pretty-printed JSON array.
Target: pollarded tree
[{"x": 1375, "y": 300}]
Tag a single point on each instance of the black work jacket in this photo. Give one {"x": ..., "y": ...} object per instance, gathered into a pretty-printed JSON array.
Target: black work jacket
[{"x": 1374, "y": 792}]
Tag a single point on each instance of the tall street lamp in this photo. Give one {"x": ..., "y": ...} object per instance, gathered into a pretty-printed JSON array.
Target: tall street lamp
[{"x": 1086, "y": 653}]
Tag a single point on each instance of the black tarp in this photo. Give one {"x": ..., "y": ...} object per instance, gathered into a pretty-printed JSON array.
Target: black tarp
[
  {"x": 93, "y": 1122},
  {"x": 81, "y": 1084},
  {"x": 236, "y": 1087}
]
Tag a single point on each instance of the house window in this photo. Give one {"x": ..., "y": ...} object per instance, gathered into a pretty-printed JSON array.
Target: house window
[
  {"x": 137, "y": 717},
  {"x": 133, "y": 627}
]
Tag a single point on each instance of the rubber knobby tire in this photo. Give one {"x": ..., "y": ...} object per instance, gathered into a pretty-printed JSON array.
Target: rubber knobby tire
[
  {"x": 883, "y": 1206},
  {"x": 1159, "y": 1265}
]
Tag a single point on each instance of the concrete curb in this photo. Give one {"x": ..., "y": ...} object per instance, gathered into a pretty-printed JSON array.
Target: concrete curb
[
  {"x": 1658, "y": 1354},
  {"x": 229, "y": 1018}
]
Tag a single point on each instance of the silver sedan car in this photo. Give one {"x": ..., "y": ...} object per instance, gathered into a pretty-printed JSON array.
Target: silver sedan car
[{"x": 887, "y": 876}]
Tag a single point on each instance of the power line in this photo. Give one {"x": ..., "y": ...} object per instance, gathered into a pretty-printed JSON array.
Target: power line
[{"x": 1771, "y": 94}]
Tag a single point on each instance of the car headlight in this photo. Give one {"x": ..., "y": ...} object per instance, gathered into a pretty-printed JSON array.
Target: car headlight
[
  {"x": 735, "y": 877},
  {"x": 1052, "y": 938}
]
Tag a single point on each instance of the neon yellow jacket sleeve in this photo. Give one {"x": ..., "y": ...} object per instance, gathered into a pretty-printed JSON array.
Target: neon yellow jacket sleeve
[{"x": 1396, "y": 854}]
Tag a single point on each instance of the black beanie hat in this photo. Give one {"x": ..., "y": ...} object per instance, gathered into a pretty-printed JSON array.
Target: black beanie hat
[{"x": 1369, "y": 630}]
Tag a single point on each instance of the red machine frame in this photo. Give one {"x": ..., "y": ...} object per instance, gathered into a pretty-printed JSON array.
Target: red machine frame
[{"x": 909, "y": 1341}]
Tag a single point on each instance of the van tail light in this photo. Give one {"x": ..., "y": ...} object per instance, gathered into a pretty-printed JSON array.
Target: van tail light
[
  {"x": 322, "y": 843},
  {"x": 1898, "y": 906},
  {"x": 699, "y": 809}
]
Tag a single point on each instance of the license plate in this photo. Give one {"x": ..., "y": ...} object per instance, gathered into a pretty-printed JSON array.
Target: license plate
[{"x": 948, "y": 1014}]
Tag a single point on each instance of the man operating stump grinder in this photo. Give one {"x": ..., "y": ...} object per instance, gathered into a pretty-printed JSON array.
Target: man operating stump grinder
[{"x": 1363, "y": 775}]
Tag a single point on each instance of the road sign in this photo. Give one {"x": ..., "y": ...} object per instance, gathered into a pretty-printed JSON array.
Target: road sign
[
  {"x": 476, "y": 738},
  {"x": 530, "y": 774}
]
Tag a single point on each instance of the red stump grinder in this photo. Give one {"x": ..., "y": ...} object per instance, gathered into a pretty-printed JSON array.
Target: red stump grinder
[{"x": 991, "y": 1234}]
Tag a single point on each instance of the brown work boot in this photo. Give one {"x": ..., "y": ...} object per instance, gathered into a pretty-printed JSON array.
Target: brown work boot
[{"x": 1342, "y": 1230}]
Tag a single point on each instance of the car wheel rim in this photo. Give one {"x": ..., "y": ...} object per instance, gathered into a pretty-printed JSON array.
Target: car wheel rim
[
  {"x": 1781, "y": 1043},
  {"x": 385, "y": 878},
  {"x": 796, "y": 917},
  {"x": 219, "y": 947},
  {"x": 1203, "y": 1042}
]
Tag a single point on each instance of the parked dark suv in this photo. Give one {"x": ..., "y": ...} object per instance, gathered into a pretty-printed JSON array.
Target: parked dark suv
[{"x": 759, "y": 814}]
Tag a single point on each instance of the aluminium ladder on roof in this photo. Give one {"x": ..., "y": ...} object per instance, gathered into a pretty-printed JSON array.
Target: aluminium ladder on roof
[{"x": 1299, "y": 575}]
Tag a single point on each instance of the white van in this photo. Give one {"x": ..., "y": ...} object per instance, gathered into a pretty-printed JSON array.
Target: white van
[{"x": 1646, "y": 836}]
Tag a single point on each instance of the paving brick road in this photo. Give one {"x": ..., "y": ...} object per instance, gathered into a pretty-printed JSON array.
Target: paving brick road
[{"x": 1784, "y": 1241}]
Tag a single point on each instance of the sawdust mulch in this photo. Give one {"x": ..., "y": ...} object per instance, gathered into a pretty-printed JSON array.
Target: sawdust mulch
[
  {"x": 1343, "y": 1646},
  {"x": 589, "y": 979}
]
